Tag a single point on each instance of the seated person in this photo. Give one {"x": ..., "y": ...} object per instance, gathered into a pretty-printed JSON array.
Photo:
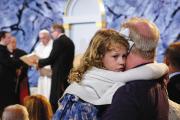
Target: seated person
[
  {"x": 15, "y": 112},
  {"x": 39, "y": 107}
]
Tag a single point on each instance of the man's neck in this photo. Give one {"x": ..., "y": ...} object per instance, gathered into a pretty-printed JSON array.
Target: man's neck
[
  {"x": 138, "y": 61},
  {"x": 141, "y": 62}
]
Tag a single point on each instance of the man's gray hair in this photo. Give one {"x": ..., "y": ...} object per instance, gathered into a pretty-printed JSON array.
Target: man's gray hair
[
  {"x": 144, "y": 34},
  {"x": 44, "y": 31},
  {"x": 143, "y": 43}
]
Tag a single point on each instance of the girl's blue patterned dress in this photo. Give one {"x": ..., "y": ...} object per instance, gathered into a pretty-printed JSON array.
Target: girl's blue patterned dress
[{"x": 73, "y": 108}]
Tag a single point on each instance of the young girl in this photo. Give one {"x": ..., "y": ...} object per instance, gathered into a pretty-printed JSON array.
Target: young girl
[{"x": 98, "y": 76}]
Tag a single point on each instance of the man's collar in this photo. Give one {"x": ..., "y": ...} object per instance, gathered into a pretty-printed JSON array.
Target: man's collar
[
  {"x": 142, "y": 64},
  {"x": 173, "y": 74},
  {"x": 60, "y": 35}
]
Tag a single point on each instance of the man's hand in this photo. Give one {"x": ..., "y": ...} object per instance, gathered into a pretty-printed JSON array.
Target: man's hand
[{"x": 31, "y": 60}]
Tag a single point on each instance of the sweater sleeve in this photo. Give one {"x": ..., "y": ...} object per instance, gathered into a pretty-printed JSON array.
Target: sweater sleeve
[{"x": 145, "y": 72}]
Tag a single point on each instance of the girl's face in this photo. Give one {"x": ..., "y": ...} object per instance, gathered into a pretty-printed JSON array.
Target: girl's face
[{"x": 115, "y": 59}]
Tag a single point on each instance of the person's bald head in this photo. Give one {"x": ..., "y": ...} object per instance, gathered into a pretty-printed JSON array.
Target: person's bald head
[
  {"x": 144, "y": 34},
  {"x": 15, "y": 112}
]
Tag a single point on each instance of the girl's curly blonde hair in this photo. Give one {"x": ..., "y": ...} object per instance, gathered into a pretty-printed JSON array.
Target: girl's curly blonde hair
[{"x": 104, "y": 40}]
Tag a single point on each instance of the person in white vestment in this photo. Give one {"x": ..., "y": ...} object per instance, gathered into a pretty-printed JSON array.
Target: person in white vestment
[{"x": 43, "y": 50}]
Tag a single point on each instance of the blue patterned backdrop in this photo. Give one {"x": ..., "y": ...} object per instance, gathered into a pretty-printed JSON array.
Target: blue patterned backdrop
[
  {"x": 24, "y": 18},
  {"x": 164, "y": 13}
]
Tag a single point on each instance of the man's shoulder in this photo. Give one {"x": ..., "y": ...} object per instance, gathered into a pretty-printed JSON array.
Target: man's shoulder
[
  {"x": 137, "y": 85},
  {"x": 67, "y": 41},
  {"x": 62, "y": 38},
  {"x": 140, "y": 82},
  {"x": 20, "y": 51},
  {"x": 175, "y": 78}
]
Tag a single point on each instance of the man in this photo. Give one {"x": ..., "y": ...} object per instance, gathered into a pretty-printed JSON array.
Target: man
[
  {"x": 40, "y": 83},
  {"x": 15, "y": 112},
  {"x": 22, "y": 86},
  {"x": 140, "y": 100},
  {"x": 43, "y": 50},
  {"x": 172, "y": 59},
  {"x": 8, "y": 66},
  {"x": 61, "y": 61}
]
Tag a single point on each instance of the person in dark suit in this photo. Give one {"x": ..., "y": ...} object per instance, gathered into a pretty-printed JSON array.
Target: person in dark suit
[
  {"x": 22, "y": 85},
  {"x": 8, "y": 65},
  {"x": 172, "y": 59},
  {"x": 61, "y": 61},
  {"x": 140, "y": 100}
]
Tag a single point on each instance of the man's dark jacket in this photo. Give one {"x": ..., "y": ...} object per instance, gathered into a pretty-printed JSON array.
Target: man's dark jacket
[
  {"x": 173, "y": 88},
  {"x": 139, "y": 100},
  {"x": 8, "y": 66},
  {"x": 61, "y": 61}
]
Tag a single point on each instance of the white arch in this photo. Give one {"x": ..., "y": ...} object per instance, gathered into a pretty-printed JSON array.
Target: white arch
[{"x": 82, "y": 19}]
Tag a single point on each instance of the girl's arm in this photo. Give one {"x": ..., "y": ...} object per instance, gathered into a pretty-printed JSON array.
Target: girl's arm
[{"x": 145, "y": 72}]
